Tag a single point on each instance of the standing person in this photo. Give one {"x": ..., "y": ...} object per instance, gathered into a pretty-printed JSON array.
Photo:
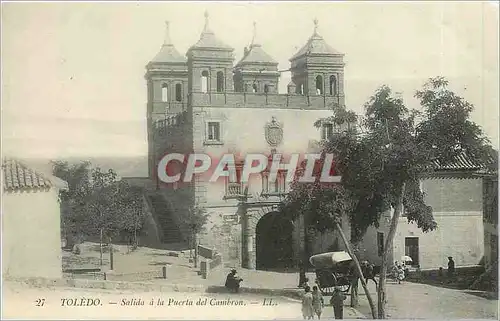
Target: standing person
[
  {"x": 302, "y": 275},
  {"x": 337, "y": 301},
  {"x": 451, "y": 267},
  {"x": 318, "y": 302},
  {"x": 419, "y": 273},
  {"x": 307, "y": 304}
]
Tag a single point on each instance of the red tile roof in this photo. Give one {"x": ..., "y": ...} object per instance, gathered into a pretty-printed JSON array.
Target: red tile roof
[{"x": 18, "y": 176}]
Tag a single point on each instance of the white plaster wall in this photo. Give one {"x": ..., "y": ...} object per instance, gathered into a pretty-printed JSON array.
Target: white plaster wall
[
  {"x": 459, "y": 234},
  {"x": 31, "y": 234}
]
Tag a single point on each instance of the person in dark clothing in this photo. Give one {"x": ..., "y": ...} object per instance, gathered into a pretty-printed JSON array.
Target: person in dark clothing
[
  {"x": 233, "y": 281},
  {"x": 302, "y": 275},
  {"x": 337, "y": 301},
  {"x": 451, "y": 267}
]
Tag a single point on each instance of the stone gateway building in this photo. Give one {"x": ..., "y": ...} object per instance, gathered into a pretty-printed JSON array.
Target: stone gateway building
[{"x": 207, "y": 104}]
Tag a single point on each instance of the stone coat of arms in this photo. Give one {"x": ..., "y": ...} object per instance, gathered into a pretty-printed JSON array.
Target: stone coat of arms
[{"x": 274, "y": 133}]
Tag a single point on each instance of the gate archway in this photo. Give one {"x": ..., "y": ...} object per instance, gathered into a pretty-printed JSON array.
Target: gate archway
[{"x": 274, "y": 249}]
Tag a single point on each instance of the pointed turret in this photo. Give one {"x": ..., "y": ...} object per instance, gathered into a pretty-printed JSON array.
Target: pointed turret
[
  {"x": 210, "y": 63},
  {"x": 257, "y": 71},
  {"x": 315, "y": 46},
  {"x": 167, "y": 78},
  {"x": 168, "y": 54},
  {"x": 255, "y": 54},
  {"x": 318, "y": 69},
  {"x": 208, "y": 40}
]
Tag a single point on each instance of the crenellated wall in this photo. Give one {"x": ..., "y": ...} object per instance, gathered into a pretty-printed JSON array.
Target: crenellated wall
[{"x": 262, "y": 100}]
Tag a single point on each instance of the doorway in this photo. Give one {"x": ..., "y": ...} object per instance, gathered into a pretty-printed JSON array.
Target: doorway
[
  {"x": 274, "y": 242},
  {"x": 411, "y": 249}
]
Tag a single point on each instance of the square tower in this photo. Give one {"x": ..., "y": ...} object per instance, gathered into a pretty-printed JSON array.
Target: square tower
[{"x": 318, "y": 69}]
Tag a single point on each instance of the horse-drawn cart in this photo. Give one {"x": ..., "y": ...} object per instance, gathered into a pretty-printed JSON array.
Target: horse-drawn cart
[{"x": 333, "y": 269}]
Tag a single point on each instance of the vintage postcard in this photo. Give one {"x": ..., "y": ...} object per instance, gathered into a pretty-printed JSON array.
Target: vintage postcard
[{"x": 250, "y": 160}]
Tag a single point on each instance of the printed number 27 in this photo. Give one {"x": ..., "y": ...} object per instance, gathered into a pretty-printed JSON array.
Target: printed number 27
[{"x": 40, "y": 302}]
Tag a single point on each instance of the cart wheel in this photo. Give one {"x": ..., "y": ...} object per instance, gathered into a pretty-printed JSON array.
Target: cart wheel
[
  {"x": 345, "y": 288},
  {"x": 326, "y": 291}
]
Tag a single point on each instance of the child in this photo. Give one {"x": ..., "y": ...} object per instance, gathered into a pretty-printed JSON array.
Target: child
[
  {"x": 317, "y": 302},
  {"x": 306, "y": 283},
  {"x": 401, "y": 274},
  {"x": 307, "y": 304}
]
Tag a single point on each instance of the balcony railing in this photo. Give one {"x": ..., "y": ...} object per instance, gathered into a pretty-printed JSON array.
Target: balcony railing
[{"x": 233, "y": 190}]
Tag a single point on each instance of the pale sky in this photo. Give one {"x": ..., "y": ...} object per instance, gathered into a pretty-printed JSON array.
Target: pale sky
[{"x": 73, "y": 73}]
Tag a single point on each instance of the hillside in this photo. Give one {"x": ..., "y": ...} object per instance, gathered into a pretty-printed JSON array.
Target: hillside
[{"x": 135, "y": 166}]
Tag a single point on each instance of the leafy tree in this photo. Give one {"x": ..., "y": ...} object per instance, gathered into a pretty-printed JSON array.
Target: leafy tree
[
  {"x": 195, "y": 220},
  {"x": 74, "y": 221},
  {"x": 322, "y": 205},
  {"x": 97, "y": 203},
  {"x": 382, "y": 165}
]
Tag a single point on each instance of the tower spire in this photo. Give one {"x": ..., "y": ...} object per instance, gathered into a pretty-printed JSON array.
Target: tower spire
[
  {"x": 167, "y": 40},
  {"x": 254, "y": 35},
  {"x": 206, "y": 29},
  {"x": 316, "y": 26}
]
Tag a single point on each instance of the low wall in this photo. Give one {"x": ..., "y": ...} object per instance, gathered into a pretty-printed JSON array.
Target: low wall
[{"x": 208, "y": 265}]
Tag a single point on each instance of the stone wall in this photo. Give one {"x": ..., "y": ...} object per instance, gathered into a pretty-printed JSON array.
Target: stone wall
[
  {"x": 490, "y": 243},
  {"x": 223, "y": 234}
]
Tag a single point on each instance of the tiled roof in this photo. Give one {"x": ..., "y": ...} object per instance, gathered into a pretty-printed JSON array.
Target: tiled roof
[
  {"x": 18, "y": 176},
  {"x": 462, "y": 162},
  {"x": 168, "y": 54},
  {"x": 256, "y": 55},
  {"x": 316, "y": 45},
  {"x": 209, "y": 41}
]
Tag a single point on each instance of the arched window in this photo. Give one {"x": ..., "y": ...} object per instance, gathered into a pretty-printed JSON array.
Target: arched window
[
  {"x": 204, "y": 81},
  {"x": 220, "y": 81},
  {"x": 319, "y": 85},
  {"x": 333, "y": 85},
  {"x": 178, "y": 92},
  {"x": 164, "y": 92},
  {"x": 254, "y": 88},
  {"x": 266, "y": 88}
]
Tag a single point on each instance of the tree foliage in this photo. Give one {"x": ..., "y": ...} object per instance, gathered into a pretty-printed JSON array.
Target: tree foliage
[
  {"x": 97, "y": 200},
  {"x": 381, "y": 164},
  {"x": 196, "y": 219},
  {"x": 390, "y": 146}
]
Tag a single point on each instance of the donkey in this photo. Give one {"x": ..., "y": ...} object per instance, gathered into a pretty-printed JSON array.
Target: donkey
[{"x": 369, "y": 271}]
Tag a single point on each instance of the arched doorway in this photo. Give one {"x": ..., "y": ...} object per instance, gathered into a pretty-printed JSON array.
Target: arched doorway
[{"x": 273, "y": 236}]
